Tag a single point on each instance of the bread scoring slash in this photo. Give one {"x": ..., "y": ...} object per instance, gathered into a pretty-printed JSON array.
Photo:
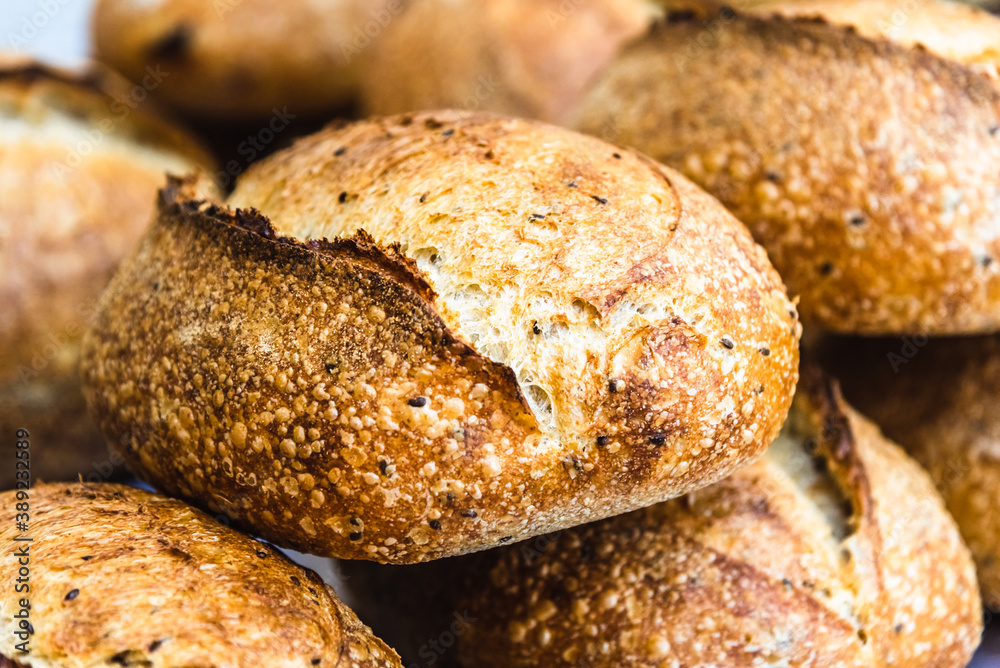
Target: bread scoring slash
[{"x": 426, "y": 335}]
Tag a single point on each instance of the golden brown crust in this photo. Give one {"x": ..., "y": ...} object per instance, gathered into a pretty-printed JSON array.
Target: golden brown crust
[
  {"x": 833, "y": 550},
  {"x": 242, "y": 58},
  {"x": 339, "y": 397},
  {"x": 865, "y": 167},
  {"x": 79, "y": 168},
  {"x": 939, "y": 400},
  {"x": 120, "y": 576},
  {"x": 530, "y": 59}
]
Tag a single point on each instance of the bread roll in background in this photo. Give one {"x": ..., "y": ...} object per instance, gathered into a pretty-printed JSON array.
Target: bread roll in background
[
  {"x": 238, "y": 59},
  {"x": 530, "y": 59},
  {"x": 81, "y": 158},
  {"x": 866, "y": 166},
  {"x": 513, "y": 329},
  {"x": 122, "y": 577},
  {"x": 940, "y": 399},
  {"x": 833, "y": 550}
]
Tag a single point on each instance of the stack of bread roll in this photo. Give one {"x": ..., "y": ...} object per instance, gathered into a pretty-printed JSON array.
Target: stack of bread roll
[{"x": 538, "y": 388}]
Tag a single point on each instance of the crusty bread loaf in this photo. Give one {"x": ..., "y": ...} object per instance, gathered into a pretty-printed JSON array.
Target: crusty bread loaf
[
  {"x": 531, "y": 59},
  {"x": 122, "y": 577},
  {"x": 515, "y": 329},
  {"x": 833, "y": 550},
  {"x": 866, "y": 166},
  {"x": 941, "y": 401},
  {"x": 79, "y": 169},
  {"x": 242, "y": 58}
]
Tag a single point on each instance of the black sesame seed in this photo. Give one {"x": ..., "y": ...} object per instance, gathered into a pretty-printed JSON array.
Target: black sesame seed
[
  {"x": 727, "y": 343},
  {"x": 382, "y": 464},
  {"x": 612, "y": 386},
  {"x": 296, "y": 581},
  {"x": 340, "y": 151},
  {"x": 986, "y": 261},
  {"x": 316, "y": 661},
  {"x": 602, "y": 441},
  {"x": 616, "y": 156},
  {"x": 355, "y": 521},
  {"x": 658, "y": 439},
  {"x": 505, "y": 539},
  {"x": 826, "y": 268},
  {"x": 173, "y": 45},
  {"x": 155, "y": 645},
  {"x": 765, "y": 351},
  {"x": 73, "y": 593},
  {"x": 773, "y": 177},
  {"x": 571, "y": 184},
  {"x": 87, "y": 558},
  {"x": 435, "y": 524},
  {"x": 537, "y": 216},
  {"x": 786, "y": 582},
  {"x": 857, "y": 220},
  {"x": 681, "y": 16},
  {"x": 470, "y": 513},
  {"x": 897, "y": 629},
  {"x": 156, "y": 286},
  {"x": 342, "y": 198},
  {"x": 262, "y": 554},
  {"x": 994, "y": 130},
  {"x": 599, "y": 199},
  {"x": 448, "y": 133},
  {"x": 355, "y": 536},
  {"x": 423, "y": 198},
  {"x": 536, "y": 329},
  {"x": 417, "y": 402},
  {"x": 330, "y": 367}
]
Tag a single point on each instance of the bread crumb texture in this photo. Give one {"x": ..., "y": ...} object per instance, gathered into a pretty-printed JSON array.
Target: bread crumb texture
[
  {"x": 516, "y": 329},
  {"x": 865, "y": 166},
  {"x": 122, "y": 577},
  {"x": 832, "y": 550}
]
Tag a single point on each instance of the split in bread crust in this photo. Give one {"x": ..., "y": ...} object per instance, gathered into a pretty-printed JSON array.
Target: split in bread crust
[{"x": 516, "y": 329}]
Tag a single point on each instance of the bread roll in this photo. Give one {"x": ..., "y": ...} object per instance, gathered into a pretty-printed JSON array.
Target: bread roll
[
  {"x": 939, "y": 399},
  {"x": 515, "y": 329},
  {"x": 531, "y": 59},
  {"x": 240, "y": 59},
  {"x": 833, "y": 550},
  {"x": 866, "y": 166},
  {"x": 81, "y": 158},
  {"x": 122, "y": 577}
]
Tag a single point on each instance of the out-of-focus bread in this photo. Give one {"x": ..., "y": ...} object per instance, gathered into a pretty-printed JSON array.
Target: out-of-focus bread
[
  {"x": 242, "y": 58},
  {"x": 866, "y": 166},
  {"x": 531, "y": 59},
  {"x": 122, "y": 577},
  {"x": 833, "y": 550},
  {"x": 515, "y": 329},
  {"x": 941, "y": 401},
  {"x": 80, "y": 162}
]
